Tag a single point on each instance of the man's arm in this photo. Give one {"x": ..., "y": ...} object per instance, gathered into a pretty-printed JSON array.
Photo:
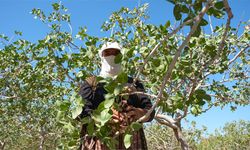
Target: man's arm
[
  {"x": 145, "y": 105},
  {"x": 87, "y": 95}
]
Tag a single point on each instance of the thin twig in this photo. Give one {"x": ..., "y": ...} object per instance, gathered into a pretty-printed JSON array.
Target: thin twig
[
  {"x": 143, "y": 93},
  {"x": 211, "y": 26},
  {"x": 226, "y": 80},
  {"x": 7, "y": 97},
  {"x": 70, "y": 27},
  {"x": 166, "y": 120},
  {"x": 73, "y": 45},
  {"x": 230, "y": 16},
  {"x": 237, "y": 55}
]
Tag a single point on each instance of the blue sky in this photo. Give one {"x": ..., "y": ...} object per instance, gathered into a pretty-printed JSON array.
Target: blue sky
[{"x": 15, "y": 15}]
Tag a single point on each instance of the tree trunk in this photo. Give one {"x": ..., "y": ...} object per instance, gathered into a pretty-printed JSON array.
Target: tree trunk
[
  {"x": 41, "y": 142},
  {"x": 181, "y": 139},
  {"x": 42, "y": 138},
  {"x": 2, "y": 145}
]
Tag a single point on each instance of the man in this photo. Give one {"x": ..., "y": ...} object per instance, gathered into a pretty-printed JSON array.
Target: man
[{"x": 135, "y": 106}]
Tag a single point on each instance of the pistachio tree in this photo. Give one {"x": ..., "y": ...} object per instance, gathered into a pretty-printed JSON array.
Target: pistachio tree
[{"x": 185, "y": 70}]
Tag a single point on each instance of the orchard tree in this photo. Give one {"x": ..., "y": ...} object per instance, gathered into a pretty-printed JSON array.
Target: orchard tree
[
  {"x": 234, "y": 135},
  {"x": 184, "y": 69}
]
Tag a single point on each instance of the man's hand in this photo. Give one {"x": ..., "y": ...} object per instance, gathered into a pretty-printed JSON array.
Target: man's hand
[
  {"x": 117, "y": 116},
  {"x": 119, "y": 121},
  {"x": 134, "y": 113}
]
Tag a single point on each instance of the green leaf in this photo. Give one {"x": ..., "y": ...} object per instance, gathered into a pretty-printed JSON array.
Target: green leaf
[
  {"x": 69, "y": 127},
  {"x": 127, "y": 140},
  {"x": 118, "y": 58},
  {"x": 110, "y": 86},
  {"x": 109, "y": 102},
  {"x": 56, "y": 6},
  {"x": 102, "y": 116},
  {"x": 203, "y": 22},
  {"x": 184, "y": 9},
  {"x": 211, "y": 11},
  {"x": 143, "y": 49},
  {"x": 197, "y": 6},
  {"x": 193, "y": 110},
  {"x": 219, "y": 5},
  {"x": 172, "y": 1},
  {"x": 76, "y": 112},
  {"x": 200, "y": 92},
  {"x": 152, "y": 41},
  {"x": 122, "y": 77},
  {"x": 91, "y": 128},
  {"x": 167, "y": 24},
  {"x": 218, "y": 14},
  {"x": 156, "y": 62},
  {"x": 186, "y": 19},
  {"x": 196, "y": 110},
  {"x": 197, "y": 32},
  {"x": 207, "y": 97},
  {"x": 59, "y": 115},
  {"x": 117, "y": 90},
  {"x": 201, "y": 102},
  {"x": 136, "y": 126},
  {"x": 18, "y": 33},
  {"x": 110, "y": 142},
  {"x": 177, "y": 12},
  {"x": 105, "y": 116},
  {"x": 63, "y": 105},
  {"x": 72, "y": 143}
]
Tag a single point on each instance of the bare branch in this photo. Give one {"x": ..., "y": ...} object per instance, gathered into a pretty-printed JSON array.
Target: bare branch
[
  {"x": 226, "y": 80},
  {"x": 230, "y": 16},
  {"x": 181, "y": 139},
  {"x": 191, "y": 90},
  {"x": 166, "y": 120},
  {"x": 237, "y": 55},
  {"x": 229, "y": 99},
  {"x": 7, "y": 97},
  {"x": 76, "y": 47},
  {"x": 70, "y": 27},
  {"x": 228, "y": 9},
  {"x": 211, "y": 26},
  {"x": 237, "y": 30},
  {"x": 210, "y": 106},
  {"x": 143, "y": 93},
  {"x": 146, "y": 61}
]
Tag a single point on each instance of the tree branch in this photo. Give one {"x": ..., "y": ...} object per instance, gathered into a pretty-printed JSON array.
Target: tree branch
[
  {"x": 229, "y": 99},
  {"x": 237, "y": 55},
  {"x": 166, "y": 120},
  {"x": 177, "y": 55},
  {"x": 230, "y": 16},
  {"x": 143, "y": 93},
  {"x": 226, "y": 80},
  {"x": 211, "y": 26},
  {"x": 7, "y": 97},
  {"x": 158, "y": 45}
]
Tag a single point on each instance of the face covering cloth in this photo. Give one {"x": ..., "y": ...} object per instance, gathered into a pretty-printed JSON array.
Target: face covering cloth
[{"x": 109, "y": 67}]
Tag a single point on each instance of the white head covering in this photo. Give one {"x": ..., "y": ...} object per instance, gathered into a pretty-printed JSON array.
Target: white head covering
[{"x": 109, "y": 67}]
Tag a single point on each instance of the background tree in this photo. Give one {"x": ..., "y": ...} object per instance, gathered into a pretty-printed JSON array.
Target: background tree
[
  {"x": 185, "y": 69},
  {"x": 234, "y": 135}
]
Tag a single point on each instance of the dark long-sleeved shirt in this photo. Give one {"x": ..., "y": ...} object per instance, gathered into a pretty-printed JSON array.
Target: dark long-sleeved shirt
[{"x": 92, "y": 98}]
